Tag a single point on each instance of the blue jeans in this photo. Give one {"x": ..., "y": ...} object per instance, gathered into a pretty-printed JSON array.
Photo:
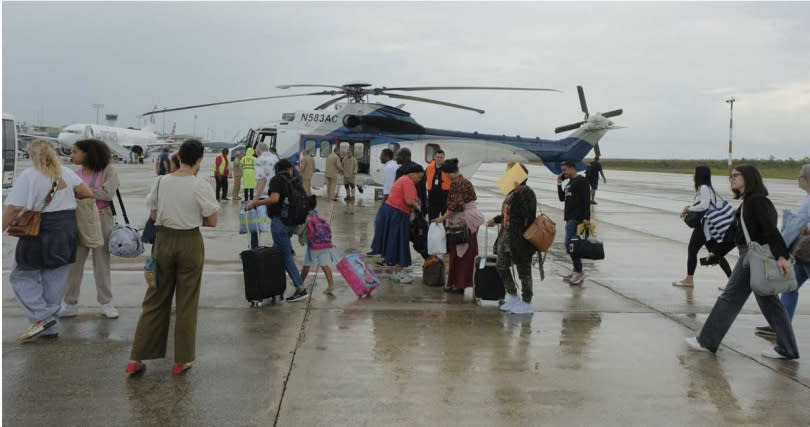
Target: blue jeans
[
  {"x": 790, "y": 299},
  {"x": 281, "y": 240},
  {"x": 571, "y": 231}
]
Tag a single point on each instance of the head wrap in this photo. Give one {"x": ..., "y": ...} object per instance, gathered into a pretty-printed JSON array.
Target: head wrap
[
  {"x": 450, "y": 166},
  {"x": 413, "y": 168}
]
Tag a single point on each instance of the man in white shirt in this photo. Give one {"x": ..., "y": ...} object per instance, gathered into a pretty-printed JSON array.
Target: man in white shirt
[{"x": 389, "y": 171}]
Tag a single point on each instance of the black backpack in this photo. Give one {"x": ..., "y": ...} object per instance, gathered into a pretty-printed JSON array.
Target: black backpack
[{"x": 295, "y": 208}]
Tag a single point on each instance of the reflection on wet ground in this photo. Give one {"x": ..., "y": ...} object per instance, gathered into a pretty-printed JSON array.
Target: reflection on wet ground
[{"x": 607, "y": 353}]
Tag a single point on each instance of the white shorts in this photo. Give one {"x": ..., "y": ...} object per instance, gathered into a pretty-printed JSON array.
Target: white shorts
[{"x": 319, "y": 257}]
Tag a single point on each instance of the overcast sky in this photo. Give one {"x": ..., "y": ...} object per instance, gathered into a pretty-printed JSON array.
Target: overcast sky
[{"x": 670, "y": 66}]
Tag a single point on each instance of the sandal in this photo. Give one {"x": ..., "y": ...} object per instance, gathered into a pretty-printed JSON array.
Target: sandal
[
  {"x": 134, "y": 368},
  {"x": 683, "y": 284}
]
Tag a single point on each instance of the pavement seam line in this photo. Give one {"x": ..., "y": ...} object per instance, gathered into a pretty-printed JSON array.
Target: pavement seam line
[
  {"x": 678, "y": 321},
  {"x": 301, "y": 332}
]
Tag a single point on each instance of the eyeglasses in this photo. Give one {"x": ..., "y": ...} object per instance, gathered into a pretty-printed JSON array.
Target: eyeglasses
[{"x": 734, "y": 175}]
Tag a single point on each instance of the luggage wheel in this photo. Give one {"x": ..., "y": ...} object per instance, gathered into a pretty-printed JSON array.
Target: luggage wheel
[{"x": 255, "y": 304}]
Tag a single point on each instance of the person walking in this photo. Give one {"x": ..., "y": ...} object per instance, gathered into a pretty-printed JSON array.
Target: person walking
[
  {"x": 221, "y": 173},
  {"x": 437, "y": 185},
  {"x": 518, "y": 211},
  {"x": 394, "y": 222},
  {"x": 705, "y": 197},
  {"x": 334, "y": 168},
  {"x": 389, "y": 172},
  {"x": 236, "y": 165},
  {"x": 162, "y": 164},
  {"x": 758, "y": 215},
  {"x": 42, "y": 263},
  {"x": 279, "y": 190},
  {"x": 307, "y": 168},
  {"x": 790, "y": 233},
  {"x": 592, "y": 175},
  {"x": 249, "y": 174},
  {"x": 265, "y": 170},
  {"x": 461, "y": 211},
  {"x": 101, "y": 177},
  {"x": 180, "y": 203},
  {"x": 319, "y": 245},
  {"x": 576, "y": 196},
  {"x": 349, "y": 166},
  {"x": 175, "y": 163}
]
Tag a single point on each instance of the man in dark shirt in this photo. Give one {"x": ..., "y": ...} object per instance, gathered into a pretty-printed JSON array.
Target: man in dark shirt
[
  {"x": 576, "y": 196},
  {"x": 163, "y": 165},
  {"x": 592, "y": 175},
  {"x": 278, "y": 192}
]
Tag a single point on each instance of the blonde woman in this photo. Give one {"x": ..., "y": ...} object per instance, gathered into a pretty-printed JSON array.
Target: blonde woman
[{"x": 42, "y": 263}]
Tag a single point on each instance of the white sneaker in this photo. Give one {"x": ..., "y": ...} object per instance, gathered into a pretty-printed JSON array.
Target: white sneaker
[
  {"x": 576, "y": 279},
  {"x": 405, "y": 278},
  {"x": 522, "y": 307},
  {"x": 511, "y": 300},
  {"x": 771, "y": 353},
  {"x": 109, "y": 311},
  {"x": 68, "y": 310},
  {"x": 693, "y": 344}
]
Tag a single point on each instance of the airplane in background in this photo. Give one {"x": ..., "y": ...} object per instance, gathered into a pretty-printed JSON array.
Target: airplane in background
[
  {"x": 125, "y": 144},
  {"x": 367, "y": 128}
]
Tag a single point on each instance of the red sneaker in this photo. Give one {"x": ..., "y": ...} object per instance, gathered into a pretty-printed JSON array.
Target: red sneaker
[
  {"x": 134, "y": 368},
  {"x": 180, "y": 368}
]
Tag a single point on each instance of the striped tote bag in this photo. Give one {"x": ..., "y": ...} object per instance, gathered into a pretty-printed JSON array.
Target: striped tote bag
[{"x": 719, "y": 219}]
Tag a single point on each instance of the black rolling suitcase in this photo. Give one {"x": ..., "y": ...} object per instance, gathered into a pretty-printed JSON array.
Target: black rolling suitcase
[
  {"x": 487, "y": 283},
  {"x": 265, "y": 275}
]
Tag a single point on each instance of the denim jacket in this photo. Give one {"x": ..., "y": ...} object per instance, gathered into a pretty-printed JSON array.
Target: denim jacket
[{"x": 792, "y": 226}]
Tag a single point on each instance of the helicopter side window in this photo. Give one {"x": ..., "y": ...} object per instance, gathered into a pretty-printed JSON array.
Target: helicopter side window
[
  {"x": 311, "y": 147},
  {"x": 326, "y": 148},
  {"x": 430, "y": 151}
]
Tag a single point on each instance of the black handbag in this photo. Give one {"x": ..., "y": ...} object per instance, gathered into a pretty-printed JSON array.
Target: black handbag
[
  {"x": 457, "y": 235},
  {"x": 149, "y": 229},
  {"x": 693, "y": 219},
  {"x": 586, "y": 247}
]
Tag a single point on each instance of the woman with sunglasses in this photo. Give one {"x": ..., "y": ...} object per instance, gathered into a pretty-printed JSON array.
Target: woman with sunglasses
[{"x": 760, "y": 219}]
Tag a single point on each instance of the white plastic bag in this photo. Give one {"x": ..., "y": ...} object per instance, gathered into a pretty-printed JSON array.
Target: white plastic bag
[{"x": 436, "y": 240}]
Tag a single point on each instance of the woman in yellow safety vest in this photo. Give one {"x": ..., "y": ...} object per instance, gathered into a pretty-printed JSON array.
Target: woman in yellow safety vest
[{"x": 249, "y": 174}]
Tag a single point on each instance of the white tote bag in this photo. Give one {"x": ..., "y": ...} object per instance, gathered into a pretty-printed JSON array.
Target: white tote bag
[
  {"x": 88, "y": 221},
  {"x": 436, "y": 240}
]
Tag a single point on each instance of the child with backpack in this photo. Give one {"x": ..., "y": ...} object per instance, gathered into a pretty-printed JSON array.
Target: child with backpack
[{"x": 317, "y": 235}]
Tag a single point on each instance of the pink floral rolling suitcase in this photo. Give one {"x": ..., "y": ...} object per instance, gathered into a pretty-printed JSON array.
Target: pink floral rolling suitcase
[{"x": 357, "y": 274}]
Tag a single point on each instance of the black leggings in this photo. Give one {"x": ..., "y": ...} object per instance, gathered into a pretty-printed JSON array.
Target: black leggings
[
  {"x": 697, "y": 241},
  {"x": 222, "y": 187}
]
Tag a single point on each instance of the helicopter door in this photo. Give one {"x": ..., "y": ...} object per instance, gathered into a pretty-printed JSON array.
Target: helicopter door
[
  {"x": 319, "y": 147},
  {"x": 362, "y": 152}
]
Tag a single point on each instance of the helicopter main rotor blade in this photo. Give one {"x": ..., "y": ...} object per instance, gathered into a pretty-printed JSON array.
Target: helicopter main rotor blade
[
  {"x": 330, "y": 102},
  {"x": 418, "y": 88},
  {"x": 582, "y": 102},
  {"x": 613, "y": 113},
  {"x": 433, "y": 101},
  {"x": 211, "y": 104},
  {"x": 307, "y": 85}
]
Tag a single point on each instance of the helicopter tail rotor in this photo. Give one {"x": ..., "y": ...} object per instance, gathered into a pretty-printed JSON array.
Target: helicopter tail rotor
[{"x": 598, "y": 121}]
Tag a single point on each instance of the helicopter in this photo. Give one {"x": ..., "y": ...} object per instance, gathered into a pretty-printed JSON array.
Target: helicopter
[{"x": 367, "y": 128}]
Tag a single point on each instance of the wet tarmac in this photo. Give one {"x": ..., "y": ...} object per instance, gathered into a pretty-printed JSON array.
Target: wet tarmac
[{"x": 609, "y": 352}]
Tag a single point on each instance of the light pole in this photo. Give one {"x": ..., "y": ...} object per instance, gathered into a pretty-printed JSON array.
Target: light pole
[
  {"x": 98, "y": 108},
  {"x": 730, "y": 102},
  {"x": 195, "y": 125}
]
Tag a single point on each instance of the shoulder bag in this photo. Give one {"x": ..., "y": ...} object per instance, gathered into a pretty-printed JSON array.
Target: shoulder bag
[
  {"x": 457, "y": 235},
  {"x": 88, "y": 221},
  {"x": 801, "y": 247},
  {"x": 125, "y": 240},
  {"x": 27, "y": 224},
  {"x": 766, "y": 278},
  {"x": 149, "y": 229}
]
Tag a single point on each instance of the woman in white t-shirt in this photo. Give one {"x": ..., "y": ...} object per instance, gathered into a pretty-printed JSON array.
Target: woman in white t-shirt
[
  {"x": 42, "y": 263},
  {"x": 180, "y": 203}
]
